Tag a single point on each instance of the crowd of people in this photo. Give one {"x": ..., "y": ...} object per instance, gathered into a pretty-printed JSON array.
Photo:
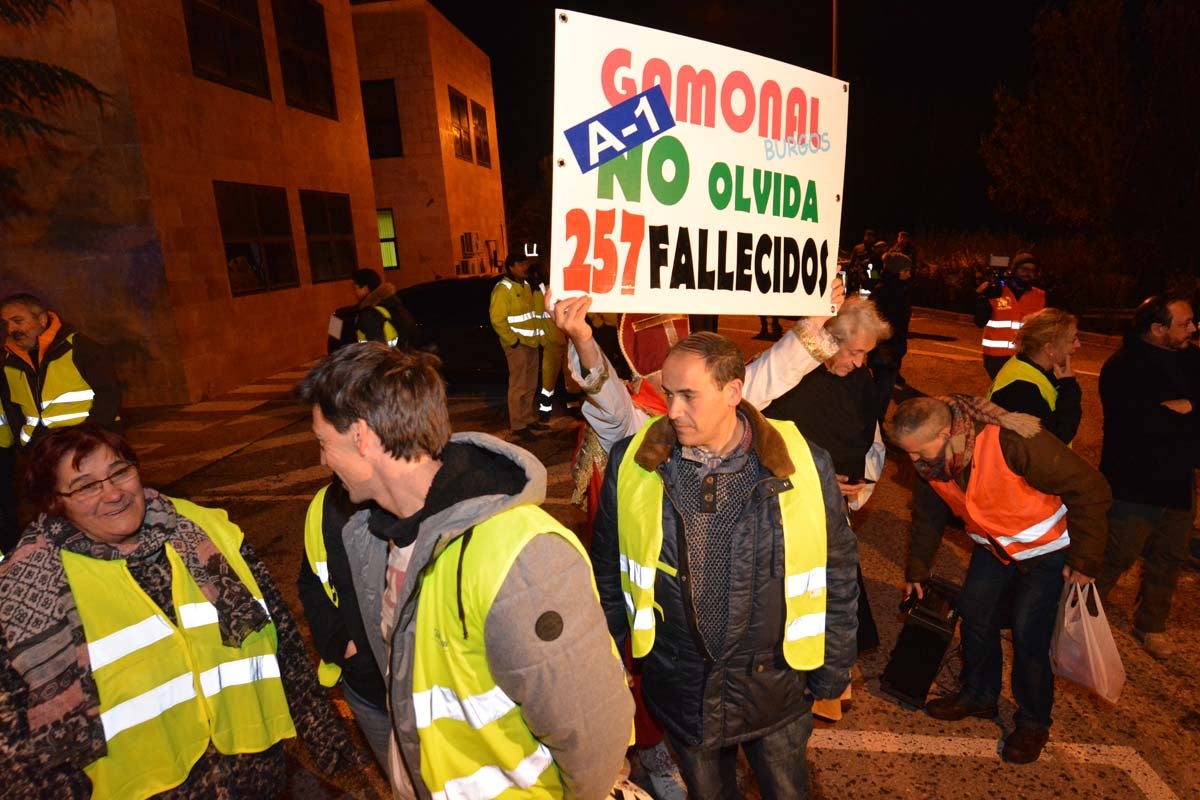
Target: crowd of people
[{"x": 714, "y": 604}]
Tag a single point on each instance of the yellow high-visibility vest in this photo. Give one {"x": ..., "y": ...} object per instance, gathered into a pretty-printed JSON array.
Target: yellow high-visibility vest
[
  {"x": 66, "y": 397},
  {"x": 474, "y": 741},
  {"x": 314, "y": 550},
  {"x": 640, "y": 537},
  {"x": 168, "y": 689}
]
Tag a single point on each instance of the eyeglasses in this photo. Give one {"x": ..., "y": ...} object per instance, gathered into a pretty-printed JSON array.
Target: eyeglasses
[{"x": 90, "y": 491}]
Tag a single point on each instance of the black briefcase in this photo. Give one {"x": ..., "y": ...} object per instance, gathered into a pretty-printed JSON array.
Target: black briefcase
[{"x": 922, "y": 644}]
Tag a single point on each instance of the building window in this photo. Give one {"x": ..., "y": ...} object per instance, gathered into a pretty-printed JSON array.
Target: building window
[
  {"x": 304, "y": 56},
  {"x": 460, "y": 124},
  {"x": 329, "y": 231},
  {"x": 483, "y": 148},
  {"x": 382, "y": 118},
  {"x": 257, "y": 231},
  {"x": 226, "y": 43},
  {"x": 387, "y": 237}
]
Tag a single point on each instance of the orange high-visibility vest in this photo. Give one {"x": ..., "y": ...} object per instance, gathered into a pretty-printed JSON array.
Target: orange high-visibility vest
[
  {"x": 1000, "y": 333},
  {"x": 1001, "y": 510}
]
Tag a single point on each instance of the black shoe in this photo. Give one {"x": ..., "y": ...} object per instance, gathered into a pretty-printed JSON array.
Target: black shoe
[
  {"x": 1024, "y": 745},
  {"x": 761, "y": 335},
  {"x": 524, "y": 436},
  {"x": 956, "y": 707},
  {"x": 538, "y": 427}
]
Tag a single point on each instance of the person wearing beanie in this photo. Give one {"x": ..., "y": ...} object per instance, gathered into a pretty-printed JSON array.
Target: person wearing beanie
[{"x": 1001, "y": 305}]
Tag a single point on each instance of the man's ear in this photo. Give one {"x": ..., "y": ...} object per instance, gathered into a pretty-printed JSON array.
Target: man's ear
[
  {"x": 733, "y": 392},
  {"x": 362, "y": 436}
]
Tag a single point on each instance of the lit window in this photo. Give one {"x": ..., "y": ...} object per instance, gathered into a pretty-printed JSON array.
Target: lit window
[
  {"x": 257, "y": 233},
  {"x": 387, "y": 237},
  {"x": 483, "y": 150},
  {"x": 460, "y": 125}
]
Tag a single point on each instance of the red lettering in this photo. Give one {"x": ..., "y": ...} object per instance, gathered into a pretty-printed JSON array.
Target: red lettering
[
  {"x": 737, "y": 81},
  {"x": 617, "y": 59}
]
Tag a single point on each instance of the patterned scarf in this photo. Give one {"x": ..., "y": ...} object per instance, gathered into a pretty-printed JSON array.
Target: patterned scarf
[
  {"x": 967, "y": 416},
  {"x": 45, "y": 636}
]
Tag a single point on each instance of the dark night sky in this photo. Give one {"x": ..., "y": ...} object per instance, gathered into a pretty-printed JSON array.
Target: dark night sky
[{"x": 921, "y": 76}]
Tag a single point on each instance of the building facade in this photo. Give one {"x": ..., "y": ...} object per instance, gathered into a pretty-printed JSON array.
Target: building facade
[
  {"x": 427, "y": 99},
  {"x": 203, "y": 220}
]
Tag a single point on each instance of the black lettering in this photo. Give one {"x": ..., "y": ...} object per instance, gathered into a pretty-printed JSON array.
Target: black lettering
[
  {"x": 745, "y": 241},
  {"x": 791, "y": 265},
  {"x": 682, "y": 273},
  {"x": 705, "y": 277},
  {"x": 808, "y": 267},
  {"x": 659, "y": 243},
  {"x": 762, "y": 277},
  {"x": 724, "y": 276},
  {"x": 824, "y": 281}
]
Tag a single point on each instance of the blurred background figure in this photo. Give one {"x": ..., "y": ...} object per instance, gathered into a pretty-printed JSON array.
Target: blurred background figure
[
  {"x": 189, "y": 672},
  {"x": 518, "y": 323},
  {"x": 380, "y": 316},
  {"x": 1001, "y": 303},
  {"x": 893, "y": 299}
]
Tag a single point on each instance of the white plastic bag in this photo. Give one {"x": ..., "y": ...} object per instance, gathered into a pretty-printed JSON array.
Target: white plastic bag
[{"x": 1082, "y": 649}]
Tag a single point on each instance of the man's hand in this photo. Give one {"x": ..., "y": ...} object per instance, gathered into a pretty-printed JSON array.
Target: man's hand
[
  {"x": 911, "y": 588},
  {"x": 1178, "y": 406},
  {"x": 570, "y": 315},
  {"x": 837, "y": 296},
  {"x": 1076, "y": 577},
  {"x": 849, "y": 490},
  {"x": 1064, "y": 370},
  {"x": 351, "y": 650}
]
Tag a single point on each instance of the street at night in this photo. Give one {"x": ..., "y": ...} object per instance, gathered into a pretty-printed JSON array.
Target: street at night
[{"x": 252, "y": 452}]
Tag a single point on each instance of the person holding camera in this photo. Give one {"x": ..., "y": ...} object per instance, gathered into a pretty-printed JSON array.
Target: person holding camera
[{"x": 1000, "y": 305}]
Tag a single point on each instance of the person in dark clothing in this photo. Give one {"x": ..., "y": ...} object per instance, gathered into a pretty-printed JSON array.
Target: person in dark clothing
[
  {"x": 1039, "y": 380},
  {"x": 1150, "y": 392},
  {"x": 834, "y": 407},
  {"x": 893, "y": 298},
  {"x": 326, "y": 588},
  {"x": 381, "y": 316},
  {"x": 738, "y": 588}
]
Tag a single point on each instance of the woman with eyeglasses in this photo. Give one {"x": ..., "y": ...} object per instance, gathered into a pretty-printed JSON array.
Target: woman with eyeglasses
[{"x": 144, "y": 650}]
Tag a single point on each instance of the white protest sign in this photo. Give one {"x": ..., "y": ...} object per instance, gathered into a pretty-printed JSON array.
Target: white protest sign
[{"x": 692, "y": 177}]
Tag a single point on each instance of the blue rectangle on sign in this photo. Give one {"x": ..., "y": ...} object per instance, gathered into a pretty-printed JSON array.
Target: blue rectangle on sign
[{"x": 612, "y": 132}]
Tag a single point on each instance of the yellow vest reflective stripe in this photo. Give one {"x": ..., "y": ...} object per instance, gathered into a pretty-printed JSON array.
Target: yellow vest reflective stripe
[
  {"x": 166, "y": 690},
  {"x": 6, "y": 432},
  {"x": 802, "y": 508},
  {"x": 314, "y": 551},
  {"x": 474, "y": 741},
  {"x": 514, "y": 302},
  {"x": 390, "y": 334},
  {"x": 66, "y": 397}
]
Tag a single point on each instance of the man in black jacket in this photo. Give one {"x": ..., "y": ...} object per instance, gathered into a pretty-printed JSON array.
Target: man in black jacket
[
  {"x": 326, "y": 588},
  {"x": 747, "y": 571},
  {"x": 1150, "y": 391},
  {"x": 381, "y": 317}
]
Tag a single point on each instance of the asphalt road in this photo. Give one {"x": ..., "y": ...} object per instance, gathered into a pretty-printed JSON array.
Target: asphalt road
[{"x": 251, "y": 453}]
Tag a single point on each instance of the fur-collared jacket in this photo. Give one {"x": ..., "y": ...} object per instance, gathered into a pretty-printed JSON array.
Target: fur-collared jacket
[{"x": 747, "y": 690}]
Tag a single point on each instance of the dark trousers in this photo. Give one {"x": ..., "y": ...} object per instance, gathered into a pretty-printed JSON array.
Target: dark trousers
[
  {"x": 778, "y": 759},
  {"x": 1036, "y": 587},
  {"x": 1160, "y": 536}
]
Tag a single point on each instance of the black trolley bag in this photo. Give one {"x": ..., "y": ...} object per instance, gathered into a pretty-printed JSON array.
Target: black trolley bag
[{"x": 922, "y": 644}]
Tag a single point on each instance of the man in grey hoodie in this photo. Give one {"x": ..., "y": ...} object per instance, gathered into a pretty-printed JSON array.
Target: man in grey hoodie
[{"x": 479, "y": 606}]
